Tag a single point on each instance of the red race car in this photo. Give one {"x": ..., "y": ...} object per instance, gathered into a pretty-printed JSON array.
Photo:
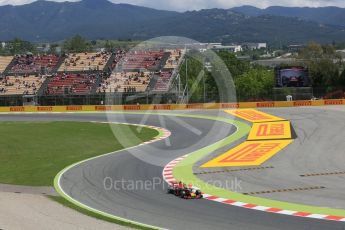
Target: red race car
[{"x": 181, "y": 190}]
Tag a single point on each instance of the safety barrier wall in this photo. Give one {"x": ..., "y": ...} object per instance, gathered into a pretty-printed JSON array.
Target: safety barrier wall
[{"x": 86, "y": 108}]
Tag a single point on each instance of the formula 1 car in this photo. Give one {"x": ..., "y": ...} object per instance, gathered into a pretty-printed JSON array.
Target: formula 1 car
[{"x": 184, "y": 192}]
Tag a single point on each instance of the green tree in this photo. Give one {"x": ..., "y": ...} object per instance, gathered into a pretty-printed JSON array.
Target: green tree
[
  {"x": 77, "y": 44},
  {"x": 312, "y": 51},
  {"x": 109, "y": 45},
  {"x": 251, "y": 81},
  {"x": 235, "y": 66},
  {"x": 53, "y": 48},
  {"x": 18, "y": 46},
  {"x": 324, "y": 65},
  {"x": 257, "y": 83}
]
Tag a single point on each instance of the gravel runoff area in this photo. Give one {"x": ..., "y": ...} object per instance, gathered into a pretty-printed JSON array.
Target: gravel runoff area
[
  {"x": 45, "y": 190},
  {"x": 36, "y": 212}
]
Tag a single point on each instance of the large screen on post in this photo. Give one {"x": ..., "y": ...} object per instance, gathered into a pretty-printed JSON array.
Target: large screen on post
[{"x": 292, "y": 77}]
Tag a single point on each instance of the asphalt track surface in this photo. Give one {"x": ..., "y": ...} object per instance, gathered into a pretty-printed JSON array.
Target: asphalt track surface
[
  {"x": 318, "y": 150},
  {"x": 85, "y": 182}
]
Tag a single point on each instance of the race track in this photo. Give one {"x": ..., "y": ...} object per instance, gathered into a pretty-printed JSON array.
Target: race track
[{"x": 84, "y": 182}]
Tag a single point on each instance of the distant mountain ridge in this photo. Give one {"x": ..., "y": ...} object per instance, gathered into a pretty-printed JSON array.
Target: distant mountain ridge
[
  {"x": 96, "y": 19},
  {"x": 326, "y": 15},
  {"x": 52, "y": 21}
]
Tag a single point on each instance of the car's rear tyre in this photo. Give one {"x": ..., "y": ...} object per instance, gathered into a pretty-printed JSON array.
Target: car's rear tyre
[{"x": 182, "y": 194}]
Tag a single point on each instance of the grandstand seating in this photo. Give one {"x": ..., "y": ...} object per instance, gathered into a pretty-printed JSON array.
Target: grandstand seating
[
  {"x": 163, "y": 82},
  {"x": 4, "y": 62},
  {"x": 74, "y": 83},
  {"x": 134, "y": 73},
  {"x": 85, "y": 62},
  {"x": 28, "y": 64},
  {"x": 125, "y": 82},
  {"x": 15, "y": 85},
  {"x": 173, "y": 59},
  {"x": 136, "y": 60}
]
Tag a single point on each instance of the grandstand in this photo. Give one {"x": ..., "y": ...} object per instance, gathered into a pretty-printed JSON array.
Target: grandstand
[
  {"x": 72, "y": 79},
  {"x": 124, "y": 82},
  {"x": 165, "y": 76},
  {"x": 163, "y": 82},
  {"x": 138, "y": 60},
  {"x": 4, "y": 62},
  {"x": 71, "y": 84},
  {"x": 77, "y": 62},
  {"x": 174, "y": 59},
  {"x": 135, "y": 72},
  {"x": 30, "y": 64},
  {"x": 21, "y": 85}
]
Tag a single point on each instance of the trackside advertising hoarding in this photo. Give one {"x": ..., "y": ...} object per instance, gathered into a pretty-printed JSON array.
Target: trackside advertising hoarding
[{"x": 240, "y": 105}]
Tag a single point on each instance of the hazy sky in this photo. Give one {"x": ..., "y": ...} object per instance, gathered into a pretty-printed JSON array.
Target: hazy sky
[{"x": 183, "y": 5}]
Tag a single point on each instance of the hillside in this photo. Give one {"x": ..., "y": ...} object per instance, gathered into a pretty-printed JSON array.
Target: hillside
[
  {"x": 97, "y": 19},
  {"x": 325, "y": 15},
  {"x": 44, "y": 20},
  {"x": 227, "y": 26}
]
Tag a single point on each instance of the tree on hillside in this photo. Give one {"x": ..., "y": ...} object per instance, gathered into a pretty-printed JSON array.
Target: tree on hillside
[
  {"x": 77, "y": 44},
  {"x": 235, "y": 66},
  {"x": 251, "y": 81},
  {"x": 19, "y": 46},
  {"x": 324, "y": 65},
  {"x": 311, "y": 52},
  {"x": 109, "y": 46},
  {"x": 53, "y": 48},
  {"x": 257, "y": 83}
]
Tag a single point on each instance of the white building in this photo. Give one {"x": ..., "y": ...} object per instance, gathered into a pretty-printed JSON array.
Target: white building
[
  {"x": 255, "y": 46},
  {"x": 261, "y": 45},
  {"x": 211, "y": 45},
  {"x": 231, "y": 48}
]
